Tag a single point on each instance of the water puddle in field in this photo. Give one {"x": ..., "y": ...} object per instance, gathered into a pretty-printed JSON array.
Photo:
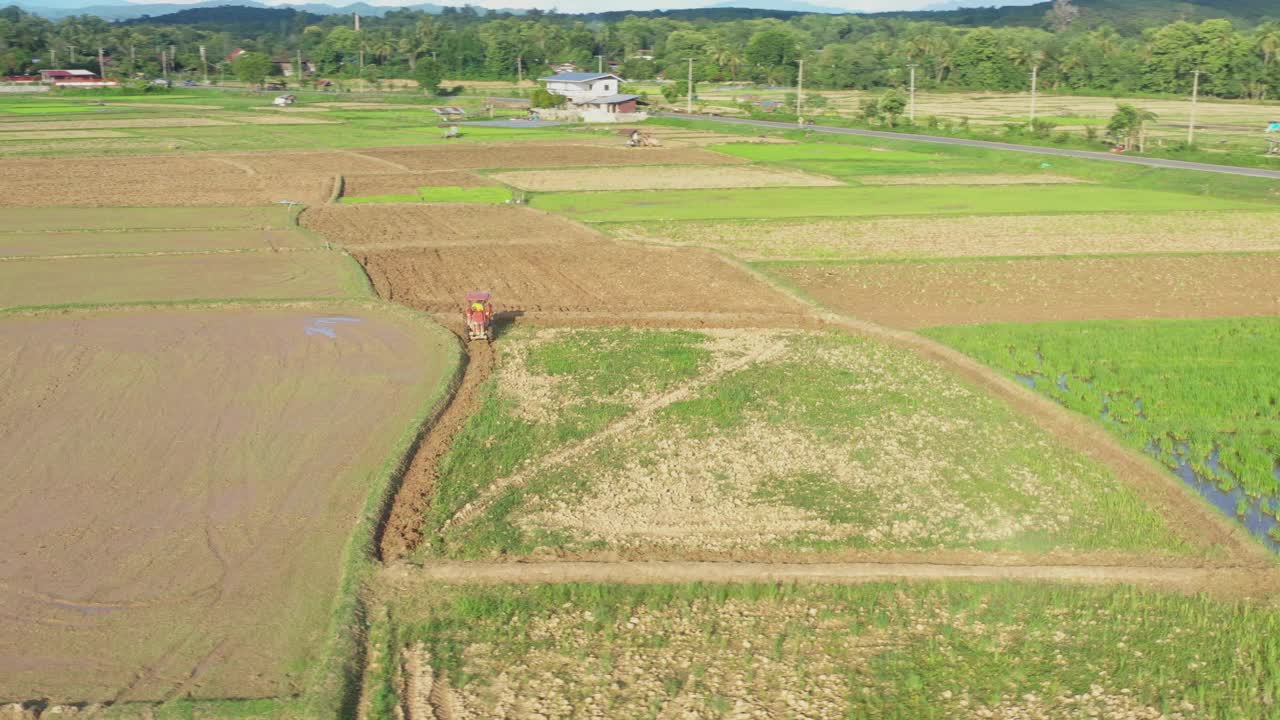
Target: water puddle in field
[
  {"x": 324, "y": 325},
  {"x": 1233, "y": 503},
  {"x": 1250, "y": 512}
]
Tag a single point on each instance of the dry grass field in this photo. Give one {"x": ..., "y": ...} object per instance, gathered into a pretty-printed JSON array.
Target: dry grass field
[{"x": 970, "y": 236}]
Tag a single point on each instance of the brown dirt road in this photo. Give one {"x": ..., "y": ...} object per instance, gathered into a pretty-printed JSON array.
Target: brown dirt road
[{"x": 1226, "y": 582}]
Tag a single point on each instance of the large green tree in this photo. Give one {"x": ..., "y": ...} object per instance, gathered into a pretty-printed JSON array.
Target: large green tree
[{"x": 252, "y": 67}]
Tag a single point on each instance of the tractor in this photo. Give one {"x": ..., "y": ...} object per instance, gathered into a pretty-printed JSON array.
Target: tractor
[{"x": 479, "y": 317}]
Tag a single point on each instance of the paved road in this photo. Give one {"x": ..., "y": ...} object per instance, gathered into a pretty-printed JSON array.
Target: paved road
[{"x": 1085, "y": 154}]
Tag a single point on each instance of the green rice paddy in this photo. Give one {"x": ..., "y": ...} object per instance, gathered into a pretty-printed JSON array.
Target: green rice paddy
[{"x": 1195, "y": 387}]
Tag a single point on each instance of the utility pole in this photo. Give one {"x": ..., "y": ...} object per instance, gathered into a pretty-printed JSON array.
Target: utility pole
[
  {"x": 1195, "y": 94},
  {"x": 599, "y": 63},
  {"x": 71, "y": 54},
  {"x": 688, "y": 100},
  {"x": 800, "y": 93},
  {"x": 519, "y": 68},
  {"x": 164, "y": 64},
  {"x": 133, "y": 60},
  {"x": 102, "y": 68},
  {"x": 1035, "y": 81},
  {"x": 204, "y": 65},
  {"x": 299, "y": 71},
  {"x": 911, "y": 106},
  {"x": 53, "y": 58}
]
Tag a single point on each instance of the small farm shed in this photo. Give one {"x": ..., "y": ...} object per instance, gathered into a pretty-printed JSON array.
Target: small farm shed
[
  {"x": 57, "y": 76},
  {"x": 612, "y": 104}
]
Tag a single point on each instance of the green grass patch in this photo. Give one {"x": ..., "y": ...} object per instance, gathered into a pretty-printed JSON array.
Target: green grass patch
[
  {"x": 895, "y": 651},
  {"x": 871, "y": 201},
  {"x": 51, "y": 109},
  {"x": 596, "y": 378},
  {"x": 838, "y": 444},
  {"x": 448, "y": 194},
  {"x": 1192, "y": 387}
]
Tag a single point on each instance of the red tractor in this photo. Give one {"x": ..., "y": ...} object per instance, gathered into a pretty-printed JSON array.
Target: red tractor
[{"x": 479, "y": 317}]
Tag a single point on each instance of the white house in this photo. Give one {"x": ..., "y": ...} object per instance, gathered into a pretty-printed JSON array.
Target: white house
[{"x": 583, "y": 87}]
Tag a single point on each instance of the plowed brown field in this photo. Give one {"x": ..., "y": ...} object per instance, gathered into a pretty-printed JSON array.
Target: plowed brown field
[
  {"x": 178, "y": 494},
  {"x": 387, "y": 226},
  {"x": 430, "y": 256},
  {"x": 188, "y": 180},
  {"x": 923, "y": 294},
  {"x": 528, "y": 155}
]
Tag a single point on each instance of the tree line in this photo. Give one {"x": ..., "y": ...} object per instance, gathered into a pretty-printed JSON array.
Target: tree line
[{"x": 839, "y": 51}]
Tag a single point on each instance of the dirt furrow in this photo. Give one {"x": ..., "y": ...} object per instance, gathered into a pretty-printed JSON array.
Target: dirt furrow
[
  {"x": 1232, "y": 582},
  {"x": 403, "y": 529},
  {"x": 628, "y": 422}
]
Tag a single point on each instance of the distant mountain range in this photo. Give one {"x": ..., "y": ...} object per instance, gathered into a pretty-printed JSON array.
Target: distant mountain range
[
  {"x": 1131, "y": 15},
  {"x": 54, "y": 9}
]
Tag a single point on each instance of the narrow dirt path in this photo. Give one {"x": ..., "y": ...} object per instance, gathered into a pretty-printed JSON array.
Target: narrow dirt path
[
  {"x": 1233, "y": 582},
  {"x": 577, "y": 449},
  {"x": 403, "y": 529}
]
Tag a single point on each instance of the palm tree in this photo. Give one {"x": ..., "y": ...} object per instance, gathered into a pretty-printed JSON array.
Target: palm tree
[
  {"x": 726, "y": 55},
  {"x": 1269, "y": 42}
]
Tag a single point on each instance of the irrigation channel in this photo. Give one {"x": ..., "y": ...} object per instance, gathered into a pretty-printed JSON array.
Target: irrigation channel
[{"x": 991, "y": 145}]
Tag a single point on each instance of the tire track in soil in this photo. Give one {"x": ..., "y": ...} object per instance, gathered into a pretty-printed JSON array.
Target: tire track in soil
[
  {"x": 574, "y": 450},
  {"x": 403, "y": 529},
  {"x": 1223, "y": 582}
]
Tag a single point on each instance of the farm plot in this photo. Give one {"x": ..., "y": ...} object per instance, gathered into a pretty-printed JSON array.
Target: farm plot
[
  {"x": 1193, "y": 392},
  {"x": 487, "y": 194},
  {"x": 55, "y": 244},
  {"x": 973, "y": 236},
  {"x": 65, "y": 219},
  {"x": 599, "y": 278},
  {"x": 404, "y": 183},
  {"x": 676, "y": 443},
  {"x": 160, "y": 542},
  {"x": 528, "y": 155},
  {"x": 650, "y": 178},
  {"x": 962, "y": 292},
  {"x": 872, "y": 201},
  {"x": 187, "y": 277},
  {"x": 142, "y": 181},
  {"x": 409, "y": 226},
  {"x": 900, "y": 652}
]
